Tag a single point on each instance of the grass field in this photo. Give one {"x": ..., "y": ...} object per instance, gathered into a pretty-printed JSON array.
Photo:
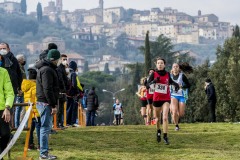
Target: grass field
[{"x": 199, "y": 141}]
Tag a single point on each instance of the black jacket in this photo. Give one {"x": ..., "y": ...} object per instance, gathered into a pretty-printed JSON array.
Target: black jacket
[
  {"x": 72, "y": 89},
  {"x": 12, "y": 66},
  {"x": 47, "y": 82},
  {"x": 63, "y": 80},
  {"x": 92, "y": 101},
  {"x": 210, "y": 91}
]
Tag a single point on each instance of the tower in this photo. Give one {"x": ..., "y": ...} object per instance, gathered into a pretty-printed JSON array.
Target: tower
[
  {"x": 59, "y": 5},
  {"x": 101, "y": 4}
]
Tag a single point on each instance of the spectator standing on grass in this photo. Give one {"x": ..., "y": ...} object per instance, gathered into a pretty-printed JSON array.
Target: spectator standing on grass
[
  {"x": 29, "y": 90},
  {"x": 63, "y": 80},
  {"x": 19, "y": 98},
  {"x": 211, "y": 96},
  {"x": 10, "y": 63},
  {"x": 72, "y": 94},
  {"x": 92, "y": 107},
  {"x": 47, "y": 97},
  {"x": 7, "y": 98}
]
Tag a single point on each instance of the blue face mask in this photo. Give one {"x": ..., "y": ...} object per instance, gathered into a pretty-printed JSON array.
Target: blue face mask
[{"x": 0, "y": 63}]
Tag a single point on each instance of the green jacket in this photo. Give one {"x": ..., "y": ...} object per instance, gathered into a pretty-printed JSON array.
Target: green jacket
[{"x": 6, "y": 89}]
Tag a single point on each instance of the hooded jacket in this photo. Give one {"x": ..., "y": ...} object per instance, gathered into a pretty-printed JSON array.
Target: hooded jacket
[
  {"x": 29, "y": 90},
  {"x": 47, "y": 82},
  {"x": 12, "y": 66}
]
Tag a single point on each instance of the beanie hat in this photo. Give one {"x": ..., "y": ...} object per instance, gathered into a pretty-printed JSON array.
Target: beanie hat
[
  {"x": 73, "y": 65},
  {"x": 208, "y": 80},
  {"x": 32, "y": 73},
  {"x": 52, "y": 46},
  {"x": 53, "y": 55}
]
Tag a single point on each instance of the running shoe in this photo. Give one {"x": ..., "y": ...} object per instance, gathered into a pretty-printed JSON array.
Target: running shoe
[
  {"x": 159, "y": 136},
  {"x": 177, "y": 129},
  {"x": 165, "y": 139}
]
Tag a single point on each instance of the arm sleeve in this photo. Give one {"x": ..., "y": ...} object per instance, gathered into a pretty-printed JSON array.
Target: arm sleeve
[
  {"x": 8, "y": 90},
  {"x": 151, "y": 78},
  {"x": 211, "y": 91},
  {"x": 19, "y": 75},
  {"x": 74, "y": 80},
  {"x": 47, "y": 84},
  {"x": 172, "y": 82},
  {"x": 186, "y": 82}
]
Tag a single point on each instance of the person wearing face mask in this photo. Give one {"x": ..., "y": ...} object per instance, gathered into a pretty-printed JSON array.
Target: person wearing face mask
[
  {"x": 47, "y": 84},
  {"x": 19, "y": 99},
  {"x": 10, "y": 63},
  {"x": 63, "y": 80}
]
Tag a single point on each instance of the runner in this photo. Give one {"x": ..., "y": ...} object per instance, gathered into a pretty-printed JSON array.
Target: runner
[
  {"x": 178, "y": 99},
  {"x": 142, "y": 91},
  {"x": 161, "y": 97},
  {"x": 150, "y": 92}
]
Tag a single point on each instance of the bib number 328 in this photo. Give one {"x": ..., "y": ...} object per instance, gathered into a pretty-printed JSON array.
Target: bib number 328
[{"x": 161, "y": 88}]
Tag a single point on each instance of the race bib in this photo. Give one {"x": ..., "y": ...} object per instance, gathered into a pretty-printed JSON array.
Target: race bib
[
  {"x": 161, "y": 88},
  {"x": 151, "y": 89}
]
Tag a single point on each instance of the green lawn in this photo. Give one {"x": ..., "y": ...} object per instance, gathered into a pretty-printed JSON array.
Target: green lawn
[{"x": 199, "y": 141}]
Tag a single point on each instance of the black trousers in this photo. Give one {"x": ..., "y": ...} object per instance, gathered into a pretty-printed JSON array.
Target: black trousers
[
  {"x": 212, "y": 108},
  {"x": 4, "y": 133},
  {"x": 118, "y": 119},
  {"x": 60, "y": 112}
]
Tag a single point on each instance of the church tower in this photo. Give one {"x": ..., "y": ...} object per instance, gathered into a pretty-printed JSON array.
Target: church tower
[
  {"x": 59, "y": 5},
  {"x": 101, "y": 4}
]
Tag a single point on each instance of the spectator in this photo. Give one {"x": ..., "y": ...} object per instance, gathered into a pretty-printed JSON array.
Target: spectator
[
  {"x": 47, "y": 96},
  {"x": 7, "y": 98},
  {"x": 44, "y": 54},
  {"x": 11, "y": 64},
  {"x": 29, "y": 90},
  {"x": 63, "y": 80},
  {"x": 92, "y": 106},
  {"x": 84, "y": 99},
  {"x": 211, "y": 96},
  {"x": 19, "y": 99},
  {"x": 73, "y": 93}
]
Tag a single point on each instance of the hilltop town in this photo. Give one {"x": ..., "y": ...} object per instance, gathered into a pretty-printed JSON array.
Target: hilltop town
[{"x": 110, "y": 23}]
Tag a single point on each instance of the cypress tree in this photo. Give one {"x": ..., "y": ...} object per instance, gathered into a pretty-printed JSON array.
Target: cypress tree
[
  {"x": 147, "y": 54},
  {"x": 24, "y": 6},
  {"x": 39, "y": 11}
]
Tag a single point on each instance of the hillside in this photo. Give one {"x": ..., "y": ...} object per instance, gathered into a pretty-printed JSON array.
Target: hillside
[{"x": 199, "y": 141}]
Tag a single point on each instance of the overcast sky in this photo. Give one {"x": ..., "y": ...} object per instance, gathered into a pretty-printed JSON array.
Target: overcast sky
[{"x": 226, "y": 10}]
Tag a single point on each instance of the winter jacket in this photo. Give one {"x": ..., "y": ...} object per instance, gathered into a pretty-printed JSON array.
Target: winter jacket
[
  {"x": 62, "y": 73},
  {"x": 211, "y": 94},
  {"x": 92, "y": 101},
  {"x": 73, "y": 89},
  {"x": 47, "y": 82},
  {"x": 12, "y": 66},
  {"x": 29, "y": 90},
  {"x": 6, "y": 89}
]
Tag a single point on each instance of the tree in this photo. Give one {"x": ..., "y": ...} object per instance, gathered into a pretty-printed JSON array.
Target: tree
[
  {"x": 163, "y": 48},
  {"x": 106, "y": 69},
  {"x": 24, "y": 6},
  {"x": 39, "y": 11},
  {"x": 122, "y": 44},
  {"x": 85, "y": 67},
  {"x": 236, "y": 32},
  {"x": 148, "y": 62}
]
